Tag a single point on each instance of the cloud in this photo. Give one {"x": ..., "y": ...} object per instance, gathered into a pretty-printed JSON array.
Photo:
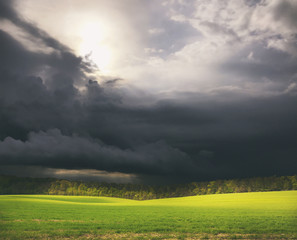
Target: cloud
[
  {"x": 73, "y": 174},
  {"x": 51, "y": 149},
  {"x": 7, "y": 12},
  {"x": 220, "y": 104}
]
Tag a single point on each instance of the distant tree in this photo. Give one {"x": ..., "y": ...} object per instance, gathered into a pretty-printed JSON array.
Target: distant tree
[{"x": 15, "y": 185}]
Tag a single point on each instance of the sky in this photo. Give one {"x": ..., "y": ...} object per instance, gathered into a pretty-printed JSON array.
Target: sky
[{"x": 153, "y": 92}]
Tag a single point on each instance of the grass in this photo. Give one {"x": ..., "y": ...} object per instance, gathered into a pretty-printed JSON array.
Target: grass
[{"x": 267, "y": 215}]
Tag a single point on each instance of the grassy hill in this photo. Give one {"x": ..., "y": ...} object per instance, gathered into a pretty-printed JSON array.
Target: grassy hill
[{"x": 221, "y": 216}]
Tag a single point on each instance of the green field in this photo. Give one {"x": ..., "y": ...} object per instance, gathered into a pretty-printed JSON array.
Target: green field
[{"x": 270, "y": 215}]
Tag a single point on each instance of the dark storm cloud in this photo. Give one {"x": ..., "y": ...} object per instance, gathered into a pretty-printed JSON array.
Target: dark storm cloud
[
  {"x": 258, "y": 61},
  {"x": 16, "y": 58},
  {"x": 286, "y": 11},
  {"x": 7, "y": 12},
  {"x": 52, "y": 149},
  {"x": 48, "y": 123}
]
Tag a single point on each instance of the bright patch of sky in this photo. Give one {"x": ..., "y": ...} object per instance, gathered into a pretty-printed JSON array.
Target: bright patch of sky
[{"x": 165, "y": 47}]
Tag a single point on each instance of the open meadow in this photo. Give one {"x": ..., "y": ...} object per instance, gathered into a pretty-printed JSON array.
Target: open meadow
[{"x": 262, "y": 215}]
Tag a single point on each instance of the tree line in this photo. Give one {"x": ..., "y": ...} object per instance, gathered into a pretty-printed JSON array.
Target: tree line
[{"x": 19, "y": 185}]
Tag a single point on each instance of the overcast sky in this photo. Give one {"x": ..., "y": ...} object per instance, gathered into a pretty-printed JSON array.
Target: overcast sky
[{"x": 148, "y": 91}]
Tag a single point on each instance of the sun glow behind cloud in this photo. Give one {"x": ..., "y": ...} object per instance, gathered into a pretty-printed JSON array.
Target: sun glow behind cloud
[{"x": 94, "y": 42}]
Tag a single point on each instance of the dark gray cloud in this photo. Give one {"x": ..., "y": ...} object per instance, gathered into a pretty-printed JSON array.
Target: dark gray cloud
[
  {"x": 285, "y": 11},
  {"x": 7, "y": 12},
  {"x": 49, "y": 123},
  {"x": 260, "y": 63},
  {"x": 52, "y": 149},
  {"x": 252, "y": 2}
]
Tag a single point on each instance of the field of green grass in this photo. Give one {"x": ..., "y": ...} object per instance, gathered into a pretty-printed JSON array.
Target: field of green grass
[{"x": 262, "y": 215}]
